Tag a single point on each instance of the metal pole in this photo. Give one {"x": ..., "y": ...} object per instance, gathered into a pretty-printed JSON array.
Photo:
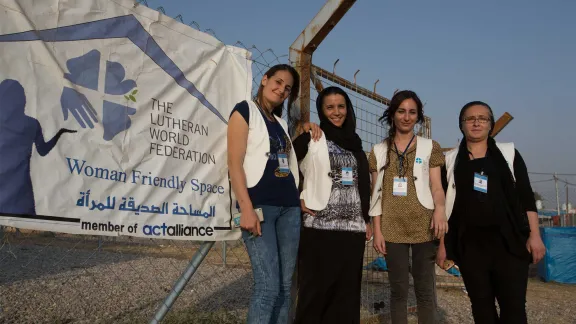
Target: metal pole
[
  {"x": 558, "y": 200},
  {"x": 304, "y": 46},
  {"x": 567, "y": 207},
  {"x": 197, "y": 259},
  {"x": 224, "y": 254}
]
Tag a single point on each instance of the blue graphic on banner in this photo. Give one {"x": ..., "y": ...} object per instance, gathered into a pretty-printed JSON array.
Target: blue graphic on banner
[
  {"x": 118, "y": 27},
  {"x": 114, "y": 82},
  {"x": 115, "y": 116},
  {"x": 84, "y": 70},
  {"x": 75, "y": 103},
  {"x": 18, "y": 134},
  {"x": 116, "y": 119}
]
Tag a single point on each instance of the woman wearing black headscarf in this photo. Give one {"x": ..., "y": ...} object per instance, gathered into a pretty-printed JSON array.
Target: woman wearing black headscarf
[
  {"x": 493, "y": 222},
  {"x": 335, "y": 201}
]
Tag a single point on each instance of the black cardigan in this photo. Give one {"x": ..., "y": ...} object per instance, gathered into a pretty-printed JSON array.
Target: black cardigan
[{"x": 514, "y": 229}]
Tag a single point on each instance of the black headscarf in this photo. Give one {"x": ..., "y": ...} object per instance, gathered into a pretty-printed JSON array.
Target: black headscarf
[
  {"x": 347, "y": 138},
  {"x": 517, "y": 223}
]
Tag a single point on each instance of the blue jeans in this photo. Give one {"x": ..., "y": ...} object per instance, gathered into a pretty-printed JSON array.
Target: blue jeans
[{"x": 273, "y": 256}]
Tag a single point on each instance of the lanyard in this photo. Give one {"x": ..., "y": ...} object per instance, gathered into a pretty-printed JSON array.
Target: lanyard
[
  {"x": 266, "y": 116},
  {"x": 401, "y": 157}
]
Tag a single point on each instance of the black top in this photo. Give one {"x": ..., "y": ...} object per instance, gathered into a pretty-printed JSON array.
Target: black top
[
  {"x": 474, "y": 210},
  {"x": 523, "y": 187},
  {"x": 275, "y": 188},
  {"x": 476, "y": 207}
]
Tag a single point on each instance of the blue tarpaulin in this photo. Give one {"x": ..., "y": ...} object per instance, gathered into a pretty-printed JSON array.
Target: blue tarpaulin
[
  {"x": 379, "y": 264},
  {"x": 559, "y": 263}
]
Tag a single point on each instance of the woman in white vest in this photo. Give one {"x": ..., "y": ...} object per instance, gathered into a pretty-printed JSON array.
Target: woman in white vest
[
  {"x": 493, "y": 220},
  {"x": 264, "y": 176},
  {"x": 407, "y": 206},
  {"x": 335, "y": 199}
]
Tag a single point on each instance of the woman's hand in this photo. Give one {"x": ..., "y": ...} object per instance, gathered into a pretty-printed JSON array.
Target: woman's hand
[
  {"x": 536, "y": 247},
  {"x": 316, "y": 130},
  {"x": 439, "y": 224},
  {"x": 305, "y": 209},
  {"x": 368, "y": 232},
  {"x": 379, "y": 244},
  {"x": 441, "y": 256},
  {"x": 249, "y": 221}
]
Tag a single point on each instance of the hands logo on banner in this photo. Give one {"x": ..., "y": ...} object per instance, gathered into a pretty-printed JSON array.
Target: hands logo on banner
[
  {"x": 20, "y": 133},
  {"x": 85, "y": 72}
]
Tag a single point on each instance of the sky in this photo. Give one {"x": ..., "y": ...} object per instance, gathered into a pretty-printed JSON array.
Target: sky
[{"x": 519, "y": 56}]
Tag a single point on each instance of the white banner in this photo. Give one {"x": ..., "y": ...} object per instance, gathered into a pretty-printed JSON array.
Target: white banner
[{"x": 113, "y": 121}]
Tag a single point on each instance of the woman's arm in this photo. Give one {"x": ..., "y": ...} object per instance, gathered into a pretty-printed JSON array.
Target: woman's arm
[
  {"x": 300, "y": 145},
  {"x": 534, "y": 245},
  {"x": 237, "y": 141},
  {"x": 379, "y": 244},
  {"x": 43, "y": 147},
  {"x": 439, "y": 221}
]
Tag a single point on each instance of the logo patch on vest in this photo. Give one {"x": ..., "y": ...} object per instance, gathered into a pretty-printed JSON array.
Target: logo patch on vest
[{"x": 418, "y": 160}]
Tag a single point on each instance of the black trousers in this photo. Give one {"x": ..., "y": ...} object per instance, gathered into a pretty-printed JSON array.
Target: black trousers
[
  {"x": 329, "y": 276},
  {"x": 491, "y": 273}
]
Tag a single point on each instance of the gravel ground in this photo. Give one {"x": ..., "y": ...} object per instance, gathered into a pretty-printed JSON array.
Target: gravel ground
[
  {"x": 104, "y": 287},
  {"x": 59, "y": 284},
  {"x": 546, "y": 303}
]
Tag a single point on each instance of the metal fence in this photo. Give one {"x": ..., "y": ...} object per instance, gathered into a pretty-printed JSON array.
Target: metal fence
[
  {"x": 48, "y": 277},
  {"x": 368, "y": 105},
  {"x": 556, "y": 193}
]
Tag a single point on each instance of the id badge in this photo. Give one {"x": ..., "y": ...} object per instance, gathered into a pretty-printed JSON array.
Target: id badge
[
  {"x": 480, "y": 183},
  {"x": 400, "y": 187},
  {"x": 236, "y": 220},
  {"x": 347, "y": 177},
  {"x": 283, "y": 162}
]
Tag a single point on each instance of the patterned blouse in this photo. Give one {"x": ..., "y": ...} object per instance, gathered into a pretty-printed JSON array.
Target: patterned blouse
[
  {"x": 343, "y": 211},
  {"x": 404, "y": 219}
]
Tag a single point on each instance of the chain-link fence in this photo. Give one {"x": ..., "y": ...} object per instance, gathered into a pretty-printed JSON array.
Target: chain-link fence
[
  {"x": 368, "y": 105},
  {"x": 48, "y": 277},
  {"x": 59, "y": 278}
]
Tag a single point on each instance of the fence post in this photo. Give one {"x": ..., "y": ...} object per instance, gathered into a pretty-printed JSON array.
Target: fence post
[
  {"x": 567, "y": 215},
  {"x": 304, "y": 46},
  {"x": 558, "y": 201},
  {"x": 224, "y": 254},
  {"x": 197, "y": 259}
]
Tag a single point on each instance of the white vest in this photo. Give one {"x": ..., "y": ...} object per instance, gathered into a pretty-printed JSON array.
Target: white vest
[
  {"x": 507, "y": 150},
  {"x": 421, "y": 175},
  {"x": 316, "y": 167},
  {"x": 258, "y": 148}
]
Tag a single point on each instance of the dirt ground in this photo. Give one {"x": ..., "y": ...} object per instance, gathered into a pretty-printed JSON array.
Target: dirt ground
[
  {"x": 78, "y": 279},
  {"x": 547, "y": 302}
]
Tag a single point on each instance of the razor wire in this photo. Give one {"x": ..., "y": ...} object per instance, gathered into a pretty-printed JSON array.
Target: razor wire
[{"x": 50, "y": 277}]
